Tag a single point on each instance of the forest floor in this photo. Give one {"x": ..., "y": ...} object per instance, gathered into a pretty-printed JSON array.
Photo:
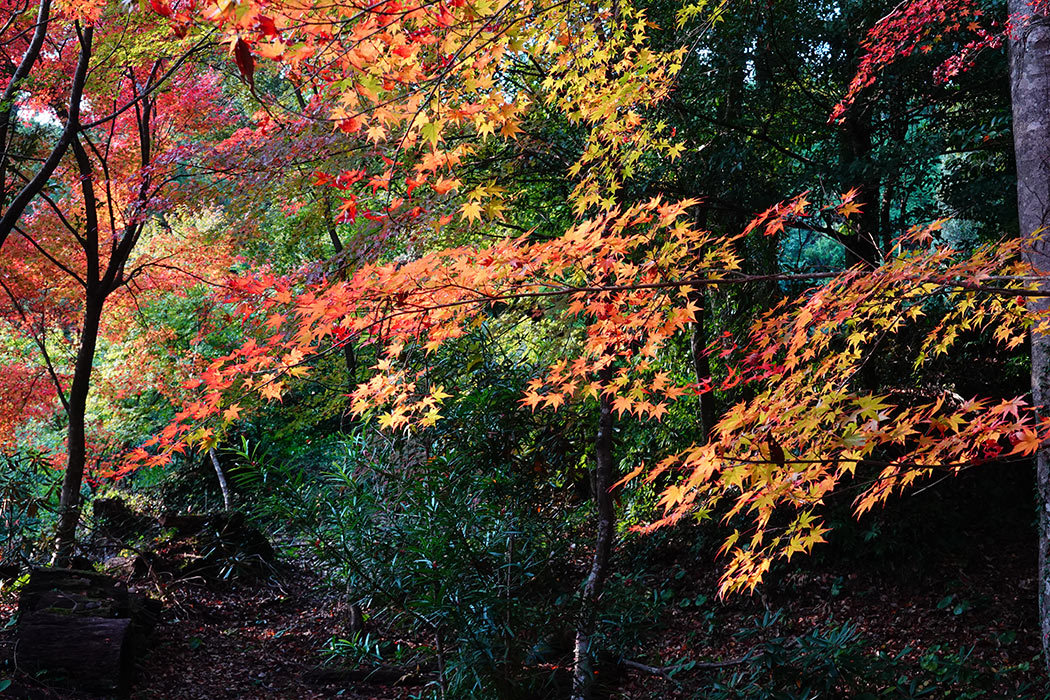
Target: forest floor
[{"x": 963, "y": 582}]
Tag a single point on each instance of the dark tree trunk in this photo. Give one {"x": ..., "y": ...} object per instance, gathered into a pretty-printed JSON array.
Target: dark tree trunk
[
  {"x": 583, "y": 666},
  {"x": 69, "y": 498},
  {"x": 855, "y": 142},
  {"x": 1029, "y": 51},
  {"x": 349, "y": 352}
]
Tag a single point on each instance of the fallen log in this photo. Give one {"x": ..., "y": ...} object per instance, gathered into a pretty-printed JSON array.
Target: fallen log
[{"x": 82, "y": 628}]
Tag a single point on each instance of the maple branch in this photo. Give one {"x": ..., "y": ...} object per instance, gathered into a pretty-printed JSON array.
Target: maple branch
[
  {"x": 51, "y": 258},
  {"x": 38, "y": 340},
  {"x": 167, "y": 74},
  {"x": 666, "y": 671},
  {"x": 36, "y": 185},
  {"x": 57, "y": 210},
  {"x": 20, "y": 74},
  {"x": 418, "y": 309},
  {"x": 154, "y": 263},
  {"x": 15, "y": 12},
  {"x": 87, "y": 190},
  {"x": 861, "y": 461},
  {"x": 120, "y": 251},
  {"x": 759, "y": 134},
  {"x": 103, "y": 161}
]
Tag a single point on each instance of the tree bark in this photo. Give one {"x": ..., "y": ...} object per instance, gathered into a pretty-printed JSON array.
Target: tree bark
[
  {"x": 227, "y": 501},
  {"x": 69, "y": 498},
  {"x": 583, "y": 661},
  {"x": 856, "y": 146},
  {"x": 1029, "y": 49},
  {"x": 349, "y": 352}
]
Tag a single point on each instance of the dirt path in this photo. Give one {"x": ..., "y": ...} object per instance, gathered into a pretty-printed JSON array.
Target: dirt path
[{"x": 250, "y": 641}]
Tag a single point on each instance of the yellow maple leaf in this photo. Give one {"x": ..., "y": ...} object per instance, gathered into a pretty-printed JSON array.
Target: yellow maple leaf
[
  {"x": 272, "y": 391},
  {"x": 471, "y": 211}
]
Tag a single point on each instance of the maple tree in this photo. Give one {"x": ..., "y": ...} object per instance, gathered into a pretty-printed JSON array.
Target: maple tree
[
  {"x": 626, "y": 278},
  {"x": 917, "y": 27},
  {"x": 386, "y": 110},
  {"x": 76, "y": 219}
]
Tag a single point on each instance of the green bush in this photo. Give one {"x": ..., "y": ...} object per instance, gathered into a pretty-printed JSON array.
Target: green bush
[
  {"x": 439, "y": 552},
  {"x": 834, "y": 661}
]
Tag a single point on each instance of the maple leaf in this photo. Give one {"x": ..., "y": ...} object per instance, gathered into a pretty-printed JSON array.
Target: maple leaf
[
  {"x": 1026, "y": 442},
  {"x": 531, "y": 399},
  {"x": 350, "y": 125},
  {"x": 242, "y": 56},
  {"x": 849, "y": 209},
  {"x": 272, "y": 390},
  {"x": 471, "y": 211},
  {"x": 554, "y": 400},
  {"x": 622, "y": 404},
  {"x": 445, "y": 185},
  {"x": 376, "y": 133},
  {"x": 161, "y": 7},
  {"x": 510, "y": 129}
]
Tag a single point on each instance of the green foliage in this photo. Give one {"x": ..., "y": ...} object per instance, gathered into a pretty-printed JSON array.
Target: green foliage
[
  {"x": 834, "y": 661},
  {"x": 28, "y": 503},
  {"x": 439, "y": 552}
]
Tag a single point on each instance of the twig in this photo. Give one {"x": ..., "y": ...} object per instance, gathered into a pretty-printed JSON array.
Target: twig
[{"x": 666, "y": 671}]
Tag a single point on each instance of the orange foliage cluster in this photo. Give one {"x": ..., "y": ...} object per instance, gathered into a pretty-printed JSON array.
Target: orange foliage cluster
[
  {"x": 419, "y": 84},
  {"x": 624, "y": 279},
  {"x": 774, "y": 458}
]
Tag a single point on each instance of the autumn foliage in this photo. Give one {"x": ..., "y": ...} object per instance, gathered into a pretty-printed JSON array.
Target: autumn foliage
[{"x": 398, "y": 101}]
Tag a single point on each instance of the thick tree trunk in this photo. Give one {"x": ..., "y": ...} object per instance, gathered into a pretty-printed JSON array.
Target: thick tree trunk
[
  {"x": 69, "y": 499},
  {"x": 1030, "y": 92},
  {"x": 583, "y": 668}
]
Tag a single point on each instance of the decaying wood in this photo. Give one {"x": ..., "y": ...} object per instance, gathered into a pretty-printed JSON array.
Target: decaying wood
[
  {"x": 91, "y": 653},
  {"x": 82, "y": 628}
]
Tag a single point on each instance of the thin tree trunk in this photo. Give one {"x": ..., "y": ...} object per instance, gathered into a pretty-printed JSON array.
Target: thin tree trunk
[
  {"x": 855, "y": 143},
  {"x": 349, "y": 352},
  {"x": 227, "y": 501},
  {"x": 69, "y": 498},
  {"x": 702, "y": 364},
  {"x": 1029, "y": 50},
  {"x": 583, "y": 668}
]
